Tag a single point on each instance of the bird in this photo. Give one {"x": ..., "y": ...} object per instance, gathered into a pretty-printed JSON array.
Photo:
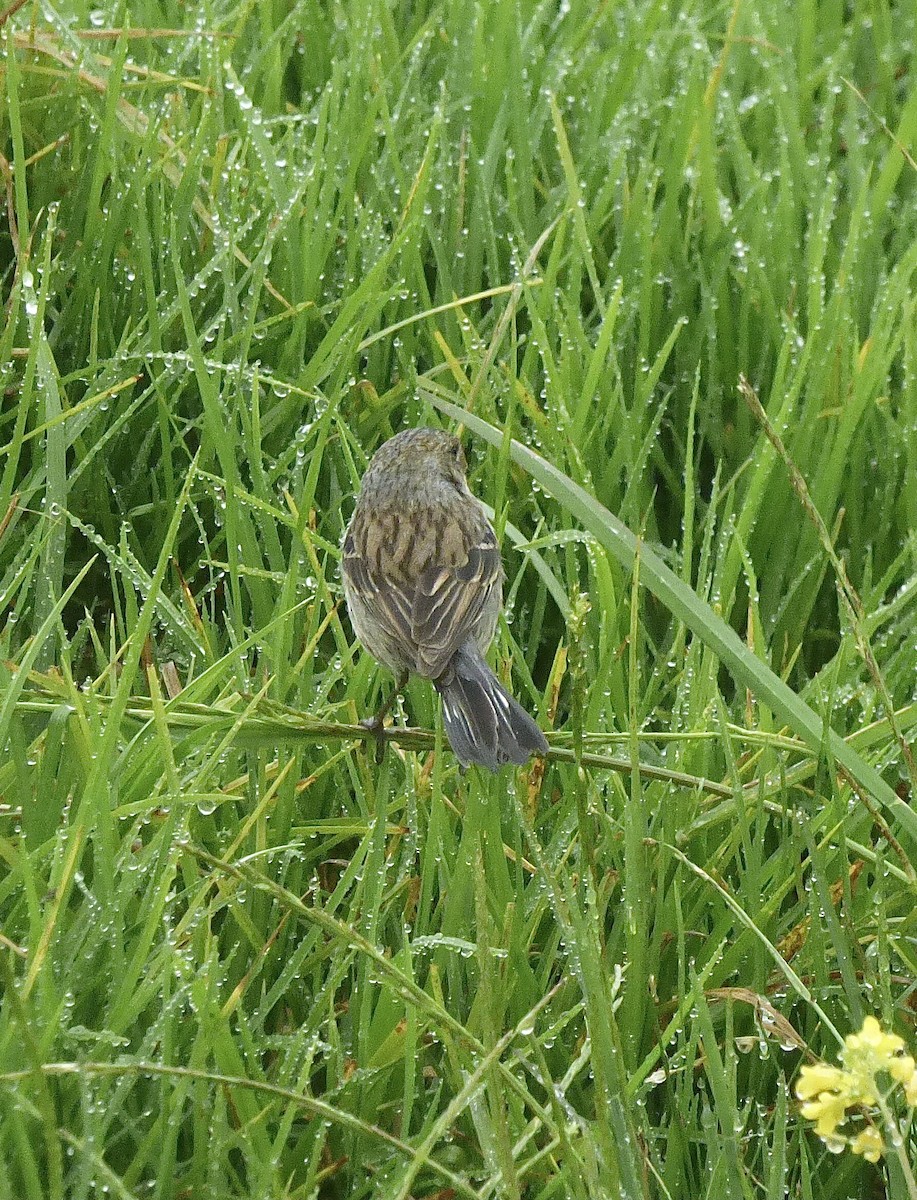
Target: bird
[{"x": 423, "y": 581}]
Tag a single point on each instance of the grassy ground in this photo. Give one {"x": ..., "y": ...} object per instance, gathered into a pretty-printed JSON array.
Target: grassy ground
[{"x": 246, "y": 242}]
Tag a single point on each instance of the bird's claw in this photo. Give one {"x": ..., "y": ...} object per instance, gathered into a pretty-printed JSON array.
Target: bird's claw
[{"x": 375, "y": 726}]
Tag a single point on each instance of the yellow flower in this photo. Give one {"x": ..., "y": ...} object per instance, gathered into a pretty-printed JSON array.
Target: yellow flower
[
  {"x": 824, "y": 1091},
  {"x": 868, "y": 1142},
  {"x": 828, "y": 1111},
  {"x": 818, "y": 1078},
  {"x": 829, "y": 1094},
  {"x": 870, "y": 1051}
]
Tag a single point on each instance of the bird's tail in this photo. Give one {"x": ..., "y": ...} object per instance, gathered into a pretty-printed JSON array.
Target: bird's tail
[{"x": 484, "y": 724}]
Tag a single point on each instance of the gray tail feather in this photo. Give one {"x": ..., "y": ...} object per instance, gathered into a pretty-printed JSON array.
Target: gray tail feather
[{"x": 484, "y": 724}]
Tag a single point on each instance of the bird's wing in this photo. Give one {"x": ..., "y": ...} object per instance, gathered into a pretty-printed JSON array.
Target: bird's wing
[
  {"x": 388, "y": 601},
  {"x": 449, "y": 602}
]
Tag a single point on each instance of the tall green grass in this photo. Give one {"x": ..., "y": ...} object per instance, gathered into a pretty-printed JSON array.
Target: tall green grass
[{"x": 244, "y": 245}]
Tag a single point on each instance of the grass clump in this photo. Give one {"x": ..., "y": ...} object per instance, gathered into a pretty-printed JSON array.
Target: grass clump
[{"x": 244, "y": 245}]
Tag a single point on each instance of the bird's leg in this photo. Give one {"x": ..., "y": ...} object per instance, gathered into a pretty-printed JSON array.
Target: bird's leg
[{"x": 375, "y": 723}]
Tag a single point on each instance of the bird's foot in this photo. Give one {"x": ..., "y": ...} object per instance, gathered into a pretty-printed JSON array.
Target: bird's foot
[
  {"x": 375, "y": 723},
  {"x": 376, "y": 726}
]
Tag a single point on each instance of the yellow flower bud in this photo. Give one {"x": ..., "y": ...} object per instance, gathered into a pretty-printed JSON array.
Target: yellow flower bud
[
  {"x": 901, "y": 1068},
  {"x": 871, "y": 1042},
  {"x": 869, "y": 1143}
]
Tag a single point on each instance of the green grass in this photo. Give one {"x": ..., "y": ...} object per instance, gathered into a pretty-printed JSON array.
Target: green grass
[{"x": 247, "y": 243}]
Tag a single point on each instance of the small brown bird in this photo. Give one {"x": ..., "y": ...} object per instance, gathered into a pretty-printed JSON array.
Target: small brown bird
[{"x": 424, "y": 587}]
